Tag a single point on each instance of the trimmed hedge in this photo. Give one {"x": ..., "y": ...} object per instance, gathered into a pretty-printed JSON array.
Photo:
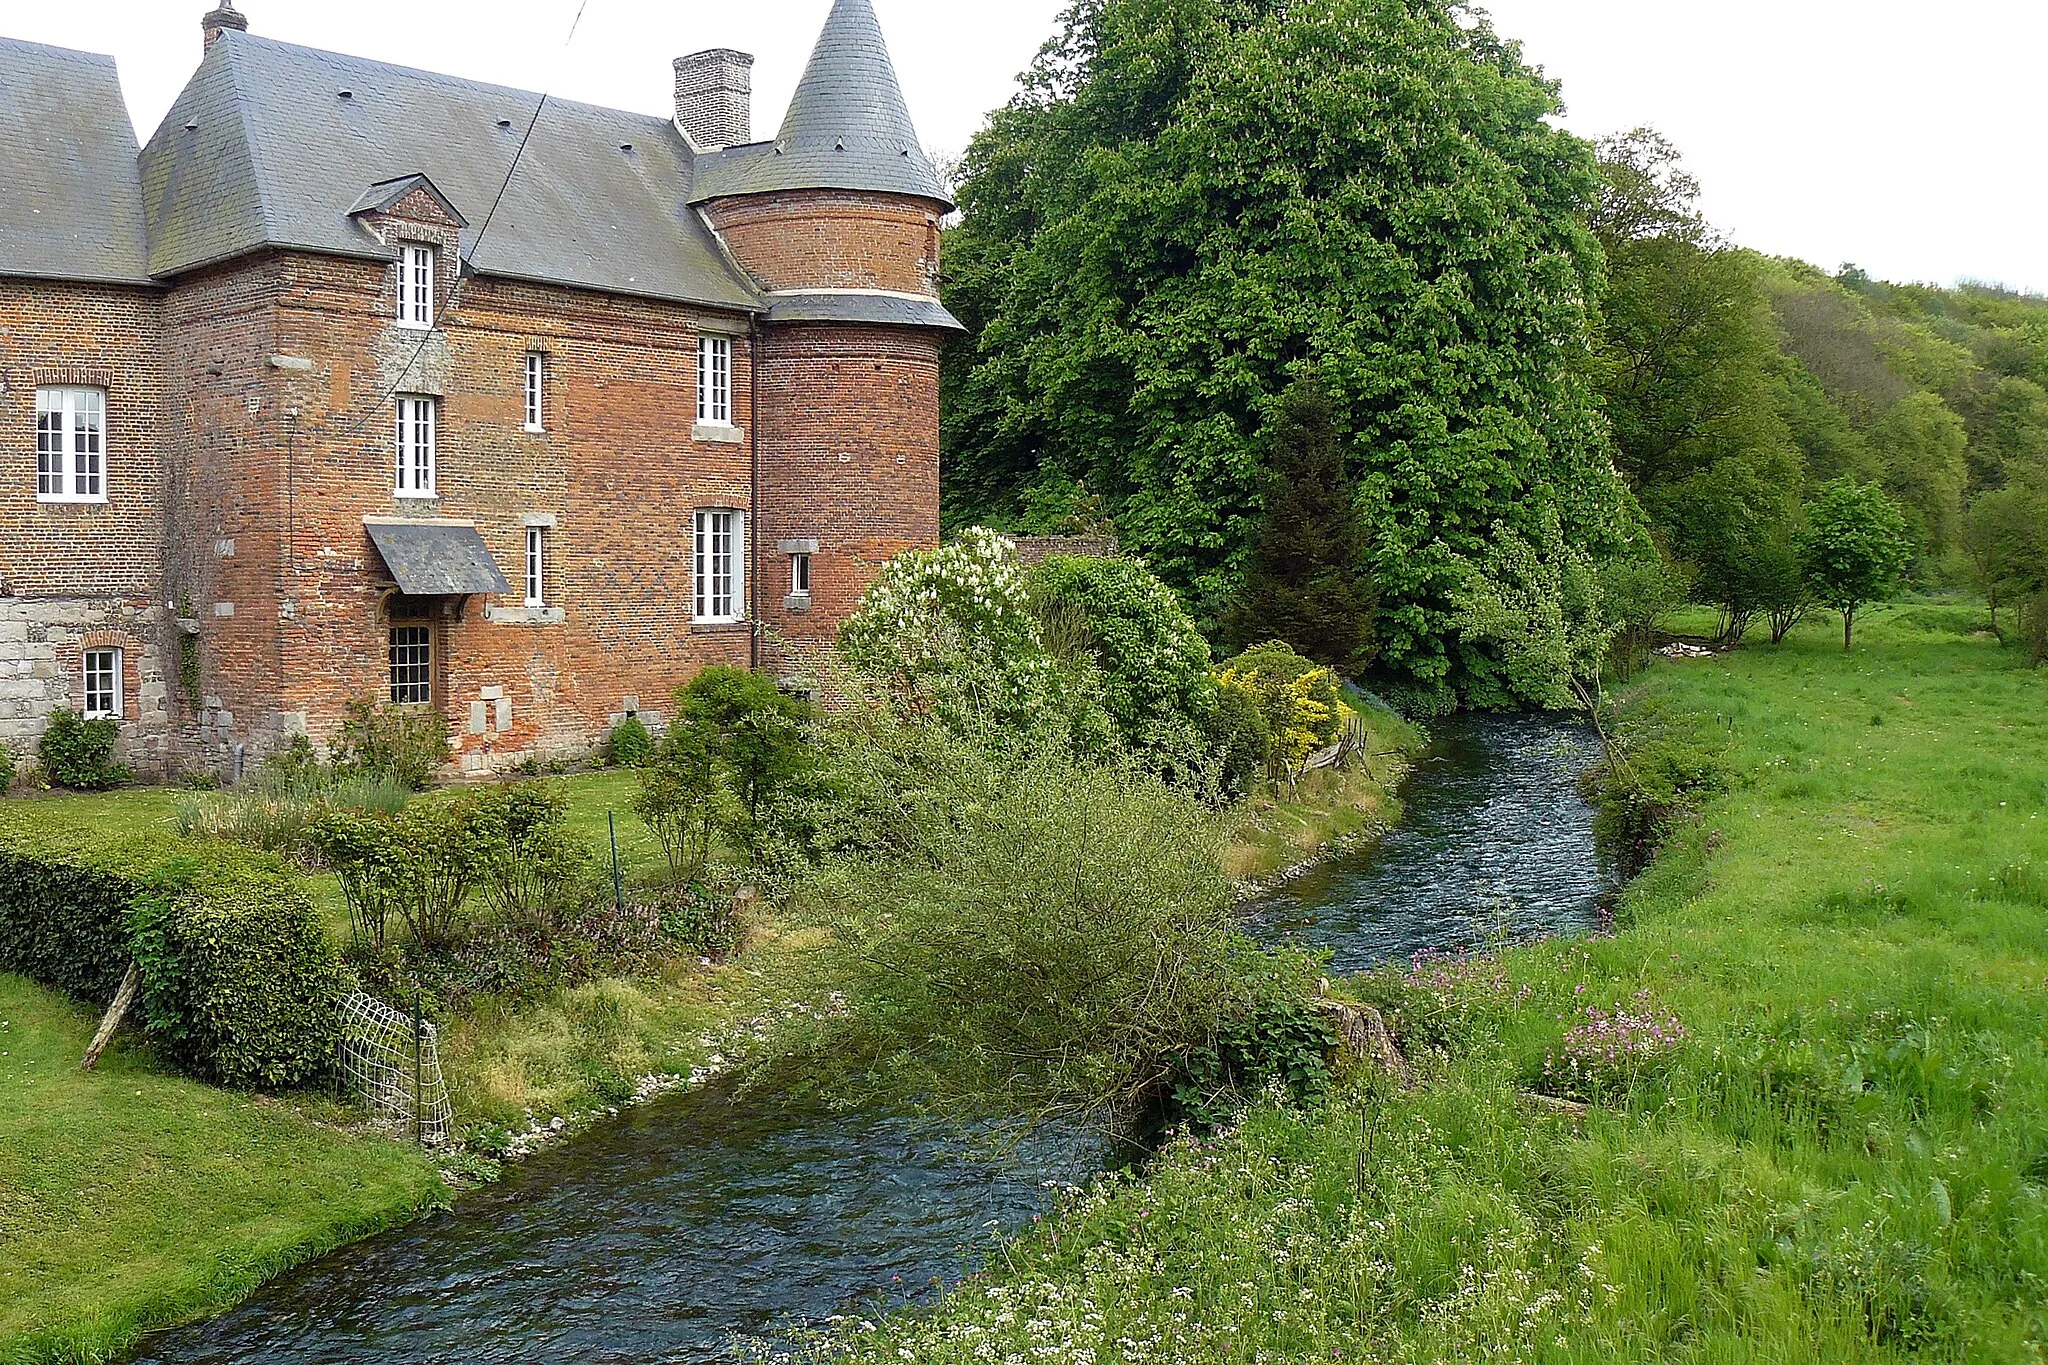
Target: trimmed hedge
[
  {"x": 65, "y": 898},
  {"x": 239, "y": 983},
  {"x": 240, "y": 986}
]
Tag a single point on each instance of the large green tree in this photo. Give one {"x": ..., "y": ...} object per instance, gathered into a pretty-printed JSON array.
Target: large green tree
[
  {"x": 1195, "y": 201},
  {"x": 1688, "y": 350}
]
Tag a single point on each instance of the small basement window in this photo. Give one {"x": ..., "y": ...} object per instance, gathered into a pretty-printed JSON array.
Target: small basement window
[{"x": 103, "y": 684}]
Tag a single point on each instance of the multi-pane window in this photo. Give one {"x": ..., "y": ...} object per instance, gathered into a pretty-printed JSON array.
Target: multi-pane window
[
  {"x": 103, "y": 684},
  {"x": 416, "y": 287},
  {"x": 536, "y": 382},
  {"x": 800, "y": 575},
  {"x": 714, "y": 380},
  {"x": 71, "y": 445},
  {"x": 412, "y": 665},
  {"x": 720, "y": 572},
  {"x": 417, "y": 417},
  {"x": 536, "y": 566}
]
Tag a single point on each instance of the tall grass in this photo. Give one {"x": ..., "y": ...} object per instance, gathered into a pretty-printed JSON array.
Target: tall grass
[
  {"x": 273, "y": 810},
  {"x": 1841, "y": 1153}
]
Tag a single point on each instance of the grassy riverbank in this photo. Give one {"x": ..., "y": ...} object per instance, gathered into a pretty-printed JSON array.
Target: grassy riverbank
[
  {"x": 130, "y": 1198},
  {"x": 1841, "y": 1158}
]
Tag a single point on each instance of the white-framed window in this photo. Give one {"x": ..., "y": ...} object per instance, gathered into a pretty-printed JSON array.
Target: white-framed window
[
  {"x": 714, "y": 380},
  {"x": 536, "y": 566},
  {"x": 416, "y": 287},
  {"x": 71, "y": 445},
  {"x": 536, "y": 390},
  {"x": 800, "y": 574},
  {"x": 103, "y": 684},
  {"x": 418, "y": 416},
  {"x": 412, "y": 666},
  {"x": 721, "y": 545}
]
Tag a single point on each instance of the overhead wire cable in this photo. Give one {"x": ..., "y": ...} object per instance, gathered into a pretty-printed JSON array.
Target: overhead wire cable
[{"x": 467, "y": 262}]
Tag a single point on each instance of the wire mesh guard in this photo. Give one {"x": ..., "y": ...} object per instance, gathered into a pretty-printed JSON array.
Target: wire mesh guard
[{"x": 396, "y": 1069}]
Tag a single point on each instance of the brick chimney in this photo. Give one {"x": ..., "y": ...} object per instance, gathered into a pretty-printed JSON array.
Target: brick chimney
[
  {"x": 714, "y": 98},
  {"x": 225, "y": 18}
]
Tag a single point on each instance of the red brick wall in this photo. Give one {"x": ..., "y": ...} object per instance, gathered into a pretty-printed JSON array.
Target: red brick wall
[
  {"x": 815, "y": 239},
  {"x": 617, "y": 468},
  {"x": 850, "y": 458},
  {"x": 101, "y": 337}
]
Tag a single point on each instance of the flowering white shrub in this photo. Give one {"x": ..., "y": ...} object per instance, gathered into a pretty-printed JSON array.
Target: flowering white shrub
[{"x": 953, "y": 627}]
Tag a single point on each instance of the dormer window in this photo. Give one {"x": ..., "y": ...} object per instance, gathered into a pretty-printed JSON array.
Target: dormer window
[{"x": 416, "y": 287}]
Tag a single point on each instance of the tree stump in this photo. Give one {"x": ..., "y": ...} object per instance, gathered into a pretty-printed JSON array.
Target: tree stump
[{"x": 1362, "y": 1034}]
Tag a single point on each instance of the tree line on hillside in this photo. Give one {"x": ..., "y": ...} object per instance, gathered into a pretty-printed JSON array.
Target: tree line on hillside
[{"x": 1316, "y": 306}]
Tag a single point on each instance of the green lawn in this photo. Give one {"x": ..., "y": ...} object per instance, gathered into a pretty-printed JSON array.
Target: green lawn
[
  {"x": 131, "y": 1199},
  {"x": 1846, "y": 1159}
]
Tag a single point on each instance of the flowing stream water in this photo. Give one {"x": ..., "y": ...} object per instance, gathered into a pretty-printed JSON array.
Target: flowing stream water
[{"x": 703, "y": 1225}]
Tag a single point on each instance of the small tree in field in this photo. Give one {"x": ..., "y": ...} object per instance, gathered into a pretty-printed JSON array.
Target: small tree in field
[{"x": 1855, "y": 546}]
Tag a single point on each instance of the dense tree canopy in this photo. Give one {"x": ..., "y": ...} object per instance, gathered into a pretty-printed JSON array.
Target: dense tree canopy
[{"x": 1195, "y": 201}]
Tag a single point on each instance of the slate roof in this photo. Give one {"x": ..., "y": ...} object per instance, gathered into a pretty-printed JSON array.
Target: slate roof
[
  {"x": 848, "y": 127},
  {"x": 263, "y": 150},
  {"x": 272, "y": 145},
  {"x": 70, "y": 207},
  {"x": 860, "y": 305},
  {"x": 437, "y": 558}
]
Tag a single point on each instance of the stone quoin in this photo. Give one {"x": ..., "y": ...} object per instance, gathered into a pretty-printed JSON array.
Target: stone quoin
[{"x": 331, "y": 392}]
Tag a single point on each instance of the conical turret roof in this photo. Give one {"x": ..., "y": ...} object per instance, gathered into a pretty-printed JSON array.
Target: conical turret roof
[{"x": 847, "y": 128}]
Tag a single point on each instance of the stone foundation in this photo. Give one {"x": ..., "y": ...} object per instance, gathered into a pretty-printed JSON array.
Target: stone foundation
[{"x": 42, "y": 648}]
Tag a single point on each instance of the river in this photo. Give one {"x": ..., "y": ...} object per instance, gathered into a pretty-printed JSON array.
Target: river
[{"x": 698, "y": 1228}]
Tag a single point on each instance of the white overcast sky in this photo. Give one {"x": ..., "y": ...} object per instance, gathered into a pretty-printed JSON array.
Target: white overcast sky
[{"x": 1903, "y": 135}]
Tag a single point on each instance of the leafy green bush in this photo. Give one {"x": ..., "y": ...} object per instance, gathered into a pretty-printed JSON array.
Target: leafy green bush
[
  {"x": 699, "y": 921},
  {"x": 756, "y": 739},
  {"x": 630, "y": 745},
  {"x": 78, "y": 754},
  {"x": 407, "y": 744},
  {"x": 418, "y": 865},
  {"x": 1241, "y": 740},
  {"x": 1039, "y": 934},
  {"x": 952, "y": 626},
  {"x": 6, "y": 770},
  {"x": 1277, "y": 1038},
  {"x": 240, "y": 986},
  {"x": 1300, "y": 702},
  {"x": 679, "y": 800},
  {"x": 529, "y": 866},
  {"x": 1151, "y": 664}
]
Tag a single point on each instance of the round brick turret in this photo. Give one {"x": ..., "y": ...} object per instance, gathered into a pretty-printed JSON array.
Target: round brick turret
[{"x": 838, "y": 221}]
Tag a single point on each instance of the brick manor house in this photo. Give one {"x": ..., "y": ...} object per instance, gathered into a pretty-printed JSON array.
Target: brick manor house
[{"x": 329, "y": 392}]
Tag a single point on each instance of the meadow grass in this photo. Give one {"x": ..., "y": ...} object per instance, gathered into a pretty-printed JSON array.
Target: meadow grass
[
  {"x": 132, "y": 1199},
  {"x": 1838, "y": 1152}
]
